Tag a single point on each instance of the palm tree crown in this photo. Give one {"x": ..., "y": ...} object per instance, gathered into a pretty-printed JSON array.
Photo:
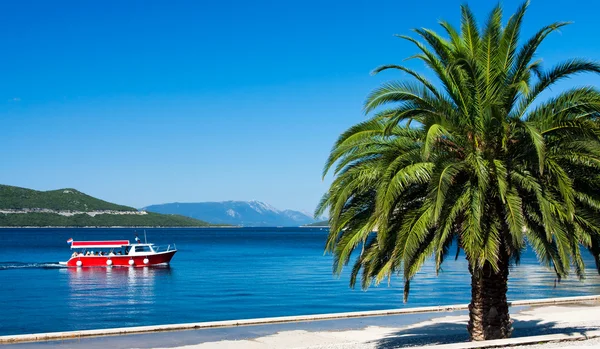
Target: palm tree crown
[{"x": 475, "y": 158}]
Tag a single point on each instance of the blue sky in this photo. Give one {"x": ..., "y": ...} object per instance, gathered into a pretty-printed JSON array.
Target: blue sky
[{"x": 147, "y": 102}]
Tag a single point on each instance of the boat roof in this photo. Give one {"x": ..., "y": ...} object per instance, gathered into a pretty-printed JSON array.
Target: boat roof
[{"x": 99, "y": 244}]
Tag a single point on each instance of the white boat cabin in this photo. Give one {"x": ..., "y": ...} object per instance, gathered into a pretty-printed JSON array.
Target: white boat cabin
[
  {"x": 113, "y": 248},
  {"x": 139, "y": 249}
]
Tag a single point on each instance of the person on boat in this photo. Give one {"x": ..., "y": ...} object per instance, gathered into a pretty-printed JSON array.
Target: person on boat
[
  {"x": 74, "y": 254},
  {"x": 111, "y": 253}
]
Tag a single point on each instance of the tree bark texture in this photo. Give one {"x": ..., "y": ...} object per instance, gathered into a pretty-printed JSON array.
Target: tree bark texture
[{"x": 488, "y": 311}]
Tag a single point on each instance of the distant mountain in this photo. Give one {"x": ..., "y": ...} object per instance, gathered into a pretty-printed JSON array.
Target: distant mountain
[
  {"x": 246, "y": 213},
  {"x": 72, "y": 208}
]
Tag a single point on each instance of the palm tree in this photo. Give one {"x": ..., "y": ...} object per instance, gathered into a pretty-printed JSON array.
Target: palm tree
[{"x": 474, "y": 160}]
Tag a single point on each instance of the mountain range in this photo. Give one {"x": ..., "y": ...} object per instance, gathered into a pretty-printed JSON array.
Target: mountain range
[{"x": 244, "y": 213}]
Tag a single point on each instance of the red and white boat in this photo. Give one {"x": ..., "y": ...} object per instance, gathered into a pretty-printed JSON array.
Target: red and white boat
[{"x": 118, "y": 253}]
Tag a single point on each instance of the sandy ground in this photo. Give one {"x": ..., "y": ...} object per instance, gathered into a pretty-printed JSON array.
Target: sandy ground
[{"x": 442, "y": 330}]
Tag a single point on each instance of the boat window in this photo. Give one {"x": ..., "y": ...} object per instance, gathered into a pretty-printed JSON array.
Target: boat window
[{"x": 143, "y": 249}]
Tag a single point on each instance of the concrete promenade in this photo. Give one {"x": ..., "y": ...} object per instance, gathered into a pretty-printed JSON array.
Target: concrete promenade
[{"x": 560, "y": 318}]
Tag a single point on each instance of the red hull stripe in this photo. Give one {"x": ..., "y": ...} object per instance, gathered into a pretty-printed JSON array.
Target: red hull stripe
[
  {"x": 99, "y": 244},
  {"x": 122, "y": 261}
]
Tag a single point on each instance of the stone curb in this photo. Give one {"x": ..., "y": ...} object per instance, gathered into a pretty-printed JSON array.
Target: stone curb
[{"x": 278, "y": 320}]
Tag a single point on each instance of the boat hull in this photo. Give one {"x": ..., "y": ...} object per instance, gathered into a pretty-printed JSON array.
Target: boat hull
[{"x": 160, "y": 258}]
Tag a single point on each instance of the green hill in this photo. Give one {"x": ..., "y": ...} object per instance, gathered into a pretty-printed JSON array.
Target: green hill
[
  {"x": 61, "y": 199},
  {"x": 318, "y": 224},
  {"x": 72, "y": 208}
]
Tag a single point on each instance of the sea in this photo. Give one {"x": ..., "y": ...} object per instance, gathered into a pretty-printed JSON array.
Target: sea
[{"x": 221, "y": 274}]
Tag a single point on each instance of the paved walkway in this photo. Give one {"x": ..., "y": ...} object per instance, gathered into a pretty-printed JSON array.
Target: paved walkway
[{"x": 386, "y": 332}]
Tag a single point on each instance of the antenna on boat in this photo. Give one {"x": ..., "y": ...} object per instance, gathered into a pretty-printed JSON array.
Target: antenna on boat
[{"x": 145, "y": 240}]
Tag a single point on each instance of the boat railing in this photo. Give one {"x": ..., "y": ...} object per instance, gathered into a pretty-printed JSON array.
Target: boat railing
[{"x": 164, "y": 248}]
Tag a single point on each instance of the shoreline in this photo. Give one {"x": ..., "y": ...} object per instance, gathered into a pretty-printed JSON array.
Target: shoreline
[
  {"x": 145, "y": 227},
  {"x": 118, "y": 227},
  {"x": 140, "y": 330}
]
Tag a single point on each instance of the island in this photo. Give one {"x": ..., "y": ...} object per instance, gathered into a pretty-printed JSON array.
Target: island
[
  {"x": 22, "y": 207},
  {"x": 321, "y": 224}
]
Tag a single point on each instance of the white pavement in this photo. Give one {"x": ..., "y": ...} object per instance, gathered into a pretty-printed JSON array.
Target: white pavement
[
  {"x": 549, "y": 323},
  {"x": 576, "y": 319}
]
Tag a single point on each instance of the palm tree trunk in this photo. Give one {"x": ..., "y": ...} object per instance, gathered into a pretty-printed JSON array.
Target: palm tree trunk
[{"x": 488, "y": 311}]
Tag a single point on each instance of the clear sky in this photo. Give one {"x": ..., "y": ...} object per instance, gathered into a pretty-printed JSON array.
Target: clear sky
[{"x": 147, "y": 102}]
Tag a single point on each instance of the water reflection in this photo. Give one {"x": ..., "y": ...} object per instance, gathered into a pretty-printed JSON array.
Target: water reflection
[
  {"x": 536, "y": 281},
  {"x": 116, "y": 295}
]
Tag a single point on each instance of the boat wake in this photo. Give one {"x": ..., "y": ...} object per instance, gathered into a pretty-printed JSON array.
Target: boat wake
[{"x": 21, "y": 265}]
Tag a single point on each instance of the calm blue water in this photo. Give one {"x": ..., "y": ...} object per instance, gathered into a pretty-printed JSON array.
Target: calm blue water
[{"x": 217, "y": 274}]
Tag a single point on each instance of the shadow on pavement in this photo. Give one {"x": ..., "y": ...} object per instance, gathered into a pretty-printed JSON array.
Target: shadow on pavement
[{"x": 453, "y": 332}]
